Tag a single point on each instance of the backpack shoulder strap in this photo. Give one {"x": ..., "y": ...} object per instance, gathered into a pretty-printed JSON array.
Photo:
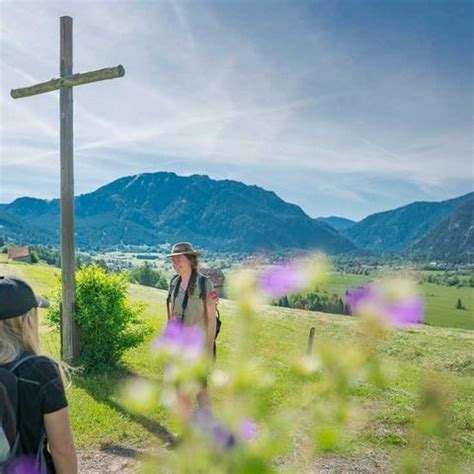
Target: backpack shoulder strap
[
  {"x": 172, "y": 293},
  {"x": 21, "y": 361},
  {"x": 173, "y": 289},
  {"x": 202, "y": 285},
  {"x": 172, "y": 286}
]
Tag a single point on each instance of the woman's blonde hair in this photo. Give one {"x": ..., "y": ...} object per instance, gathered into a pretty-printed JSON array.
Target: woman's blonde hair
[
  {"x": 21, "y": 334},
  {"x": 18, "y": 335}
]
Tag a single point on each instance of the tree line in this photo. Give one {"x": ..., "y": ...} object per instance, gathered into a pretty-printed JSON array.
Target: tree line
[{"x": 314, "y": 301}]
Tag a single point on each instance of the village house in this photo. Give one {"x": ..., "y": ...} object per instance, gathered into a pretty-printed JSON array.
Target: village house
[{"x": 20, "y": 254}]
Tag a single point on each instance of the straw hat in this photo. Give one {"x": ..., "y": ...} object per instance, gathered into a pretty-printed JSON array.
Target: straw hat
[{"x": 183, "y": 248}]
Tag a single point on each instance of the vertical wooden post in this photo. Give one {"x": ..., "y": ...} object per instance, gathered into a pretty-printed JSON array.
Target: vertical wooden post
[
  {"x": 70, "y": 336},
  {"x": 309, "y": 349},
  {"x": 68, "y": 260}
]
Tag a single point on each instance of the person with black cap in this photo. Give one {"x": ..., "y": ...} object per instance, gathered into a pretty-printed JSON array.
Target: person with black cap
[{"x": 35, "y": 433}]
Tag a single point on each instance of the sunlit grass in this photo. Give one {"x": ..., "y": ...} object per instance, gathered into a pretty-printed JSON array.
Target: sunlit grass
[{"x": 100, "y": 417}]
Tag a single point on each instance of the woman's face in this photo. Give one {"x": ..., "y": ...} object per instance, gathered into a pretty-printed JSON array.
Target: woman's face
[{"x": 180, "y": 264}]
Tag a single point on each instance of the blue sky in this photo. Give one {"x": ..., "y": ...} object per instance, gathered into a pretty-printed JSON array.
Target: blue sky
[{"x": 342, "y": 107}]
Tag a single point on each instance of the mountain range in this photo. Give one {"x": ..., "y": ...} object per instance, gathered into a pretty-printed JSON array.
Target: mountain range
[
  {"x": 155, "y": 208},
  {"x": 413, "y": 227},
  {"x": 452, "y": 238}
]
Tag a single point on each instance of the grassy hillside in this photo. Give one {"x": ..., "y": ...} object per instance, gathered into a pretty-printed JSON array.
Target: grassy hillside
[{"x": 100, "y": 418}]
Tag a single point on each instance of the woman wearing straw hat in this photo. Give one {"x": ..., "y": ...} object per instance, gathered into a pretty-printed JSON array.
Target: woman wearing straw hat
[{"x": 192, "y": 300}]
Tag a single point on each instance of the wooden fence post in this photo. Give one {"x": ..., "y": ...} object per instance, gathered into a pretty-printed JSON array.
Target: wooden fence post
[{"x": 309, "y": 349}]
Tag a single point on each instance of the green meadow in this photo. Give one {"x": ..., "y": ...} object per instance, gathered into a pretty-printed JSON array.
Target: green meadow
[
  {"x": 440, "y": 300},
  {"x": 100, "y": 417}
]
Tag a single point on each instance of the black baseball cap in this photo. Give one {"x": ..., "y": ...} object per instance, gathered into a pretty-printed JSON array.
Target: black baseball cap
[{"x": 17, "y": 298}]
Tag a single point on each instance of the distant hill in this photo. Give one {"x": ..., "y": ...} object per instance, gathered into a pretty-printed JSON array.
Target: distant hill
[
  {"x": 397, "y": 229},
  {"x": 154, "y": 208},
  {"x": 338, "y": 223},
  {"x": 452, "y": 238},
  {"x": 11, "y": 227}
]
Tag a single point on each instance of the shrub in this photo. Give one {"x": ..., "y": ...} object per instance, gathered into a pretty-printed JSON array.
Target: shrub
[
  {"x": 452, "y": 281},
  {"x": 108, "y": 324},
  {"x": 48, "y": 255},
  {"x": 34, "y": 257}
]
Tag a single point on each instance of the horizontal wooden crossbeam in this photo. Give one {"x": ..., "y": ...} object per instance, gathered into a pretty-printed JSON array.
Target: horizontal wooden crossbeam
[{"x": 69, "y": 81}]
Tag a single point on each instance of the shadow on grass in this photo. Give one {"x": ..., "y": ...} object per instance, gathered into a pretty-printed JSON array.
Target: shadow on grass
[
  {"x": 117, "y": 450},
  {"x": 103, "y": 387}
]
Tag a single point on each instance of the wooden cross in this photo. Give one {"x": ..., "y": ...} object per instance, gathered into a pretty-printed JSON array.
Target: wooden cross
[{"x": 70, "y": 343}]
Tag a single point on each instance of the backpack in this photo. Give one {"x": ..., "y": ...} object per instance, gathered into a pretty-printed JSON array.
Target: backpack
[
  {"x": 201, "y": 284},
  {"x": 10, "y": 446}
]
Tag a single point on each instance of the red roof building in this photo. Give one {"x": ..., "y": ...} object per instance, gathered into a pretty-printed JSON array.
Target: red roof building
[{"x": 20, "y": 254}]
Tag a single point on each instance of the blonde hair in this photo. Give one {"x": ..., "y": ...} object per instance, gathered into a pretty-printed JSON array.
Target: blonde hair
[
  {"x": 18, "y": 335},
  {"x": 21, "y": 334}
]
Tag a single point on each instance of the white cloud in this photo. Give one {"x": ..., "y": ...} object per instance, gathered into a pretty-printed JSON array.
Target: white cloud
[{"x": 203, "y": 88}]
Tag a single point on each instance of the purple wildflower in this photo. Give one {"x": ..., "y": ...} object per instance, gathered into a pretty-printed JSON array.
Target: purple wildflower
[
  {"x": 205, "y": 422},
  {"x": 171, "y": 335},
  {"x": 395, "y": 312},
  {"x": 193, "y": 341},
  {"x": 202, "y": 418},
  {"x": 356, "y": 297},
  {"x": 401, "y": 313},
  {"x": 23, "y": 465},
  {"x": 248, "y": 429},
  {"x": 180, "y": 339},
  {"x": 222, "y": 436},
  {"x": 281, "y": 280}
]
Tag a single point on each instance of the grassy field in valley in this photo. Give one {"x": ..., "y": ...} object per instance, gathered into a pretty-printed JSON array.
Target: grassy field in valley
[
  {"x": 100, "y": 418},
  {"x": 440, "y": 300}
]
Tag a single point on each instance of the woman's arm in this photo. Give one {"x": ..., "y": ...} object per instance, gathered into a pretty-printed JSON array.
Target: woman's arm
[{"x": 61, "y": 442}]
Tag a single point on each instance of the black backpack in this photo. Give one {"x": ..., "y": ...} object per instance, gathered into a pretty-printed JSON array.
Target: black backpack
[
  {"x": 201, "y": 284},
  {"x": 10, "y": 445}
]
